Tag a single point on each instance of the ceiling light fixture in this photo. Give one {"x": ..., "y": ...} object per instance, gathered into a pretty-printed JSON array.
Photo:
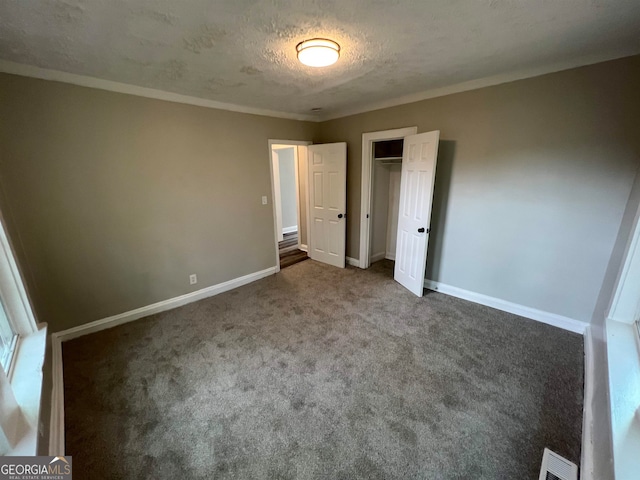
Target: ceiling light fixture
[{"x": 318, "y": 52}]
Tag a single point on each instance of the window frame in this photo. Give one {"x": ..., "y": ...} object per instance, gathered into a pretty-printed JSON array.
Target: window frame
[
  {"x": 8, "y": 357},
  {"x": 14, "y": 299}
]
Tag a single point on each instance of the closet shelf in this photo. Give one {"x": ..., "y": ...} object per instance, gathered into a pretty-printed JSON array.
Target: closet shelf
[{"x": 389, "y": 160}]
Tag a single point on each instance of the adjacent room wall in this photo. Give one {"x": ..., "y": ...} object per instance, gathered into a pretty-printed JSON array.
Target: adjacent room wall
[
  {"x": 113, "y": 200},
  {"x": 532, "y": 181},
  {"x": 288, "y": 191}
]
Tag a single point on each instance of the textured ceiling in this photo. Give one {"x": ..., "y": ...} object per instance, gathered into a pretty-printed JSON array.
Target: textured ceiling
[{"x": 243, "y": 51}]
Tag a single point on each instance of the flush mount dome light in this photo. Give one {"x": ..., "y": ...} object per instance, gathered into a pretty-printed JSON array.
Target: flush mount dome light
[{"x": 318, "y": 52}]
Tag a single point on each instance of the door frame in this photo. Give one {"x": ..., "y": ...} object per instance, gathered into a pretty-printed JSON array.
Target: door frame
[
  {"x": 367, "y": 183},
  {"x": 277, "y": 191},
  {"x": 295, "y": 144}
]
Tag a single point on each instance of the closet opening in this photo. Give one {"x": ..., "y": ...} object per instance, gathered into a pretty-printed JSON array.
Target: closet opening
[
  {"x": 381, "y": 173},
  {"x": 385, "y": 199}
]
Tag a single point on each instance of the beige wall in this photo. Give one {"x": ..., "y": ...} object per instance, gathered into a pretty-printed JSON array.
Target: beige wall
[
  {"x": 532, "y": 181},
  {"x": 113, "y": 200}
]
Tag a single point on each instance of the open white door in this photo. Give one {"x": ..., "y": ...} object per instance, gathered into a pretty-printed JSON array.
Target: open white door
[
  {"x": 328, "y": 202},
  {"x": 416, "y": 197}
]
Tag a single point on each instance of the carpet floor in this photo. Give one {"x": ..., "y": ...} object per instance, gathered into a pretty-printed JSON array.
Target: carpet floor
[{"x": 323, "y": 373}]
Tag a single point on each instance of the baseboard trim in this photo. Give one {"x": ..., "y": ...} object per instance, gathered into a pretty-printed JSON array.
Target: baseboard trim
[
  {"x": 377, "y": 257},
  {"x": 290, "y": 229},
  {"x": 162, "y": 306},
  {"x": 559, "y": 321},
  {"x": 354, "y": 262},
  {"x": 56, "y": 433},
  {"x": 586, "y": 460},
  {"x": 390, "y": 256},
  {"x": 304, "y": 248}
]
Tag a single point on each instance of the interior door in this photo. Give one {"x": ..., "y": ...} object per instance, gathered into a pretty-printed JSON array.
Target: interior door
[
  {"x": 328, "y": 202},
  {"x": 416, "y": 197}
]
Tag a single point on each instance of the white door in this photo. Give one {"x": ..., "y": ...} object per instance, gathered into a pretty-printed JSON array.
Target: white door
[
  {"x": 328, "y": 202},
  {"x": 416, "y": 196}
]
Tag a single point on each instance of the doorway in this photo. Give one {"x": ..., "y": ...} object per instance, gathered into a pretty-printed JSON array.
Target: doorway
[
  {"x": 381, "y": 167},
  {"x": 405, "y": 216},
  {"x": 290, "y": 205}
]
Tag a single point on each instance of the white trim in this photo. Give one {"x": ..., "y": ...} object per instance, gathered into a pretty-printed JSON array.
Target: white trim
[
  {"x": 26, "y": 391},
  {"x": 291, "y": 230},
  {"x": 303, "y": 153},
  {"x": 277, "y": 192},
  {"x": 377, "y": 257},
  {"x": 390, "y": 256},
  {"x": 625, "y": 304},
  {"x": 296, "y": 168},
  {"x": 293, "y": 143},
  {"x": 586, "y": 460},
  {"x": 366, "y": 183},
  {"x": 274, "y": 207},
  {"x": 623, "y": 361},
  {"x": 290, "y": 143},
  {"x": 162, "y": 306},
  {"x": 56, "y": 433},
  {"x": 474, "y": 85},
  {"x": 101, "y": 84},
  {"x": 566, "y": 323},
  {"x": 14, "y": 296},
  {"x": 354, "y": 262},
  {"x": 56, "y": 423}
]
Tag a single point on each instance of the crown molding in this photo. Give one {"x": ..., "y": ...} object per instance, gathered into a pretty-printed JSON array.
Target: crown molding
[
  {"x": 475, "y": 84},
  {"x": 93, "y": 82}
]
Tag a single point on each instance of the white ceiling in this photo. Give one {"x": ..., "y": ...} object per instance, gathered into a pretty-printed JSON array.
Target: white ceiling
[{"x": 242, "y": 52}]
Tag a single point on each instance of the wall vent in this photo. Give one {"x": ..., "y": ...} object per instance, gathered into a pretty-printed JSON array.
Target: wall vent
[{"x": 554, "y": 467}]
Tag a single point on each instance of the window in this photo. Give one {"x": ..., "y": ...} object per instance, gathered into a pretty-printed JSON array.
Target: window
[
  {"x": 7, "y": 340},
  {"x": 22, "y": 347}
]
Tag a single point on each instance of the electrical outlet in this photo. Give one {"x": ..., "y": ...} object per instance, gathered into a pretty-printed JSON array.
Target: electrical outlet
[
  {"x": 264, "y": 199},
  {"x": 193, "y": 279}
]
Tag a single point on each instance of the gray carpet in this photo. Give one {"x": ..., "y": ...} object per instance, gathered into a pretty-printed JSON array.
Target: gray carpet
[{"x": 322, "y": 373}]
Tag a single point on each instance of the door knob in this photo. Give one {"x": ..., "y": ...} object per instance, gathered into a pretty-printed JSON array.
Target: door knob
[
  {"x": 340, "y": 215},
  {"x": 421, "y": 230}
]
